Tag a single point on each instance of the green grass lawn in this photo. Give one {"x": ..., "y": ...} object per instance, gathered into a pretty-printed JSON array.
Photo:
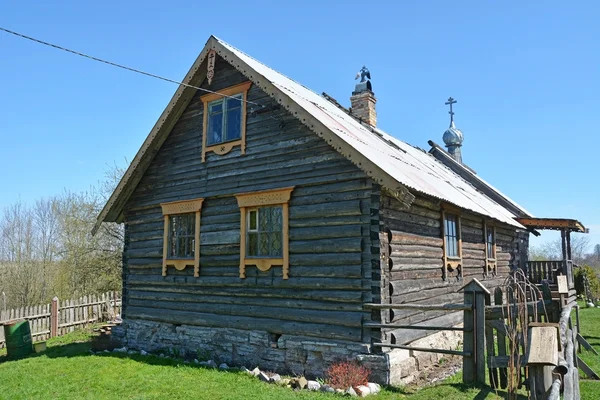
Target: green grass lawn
[
  {"x": 68, "y": 371},
  {"x": 590, "y": 329}
]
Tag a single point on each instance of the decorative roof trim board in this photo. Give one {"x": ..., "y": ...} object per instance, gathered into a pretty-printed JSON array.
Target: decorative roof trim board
[
  {"x": 395, "y": 165},
  {"x": 157, "y": 136}
]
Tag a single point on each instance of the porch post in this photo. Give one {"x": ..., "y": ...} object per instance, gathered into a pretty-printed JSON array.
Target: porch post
[{"x": 569, "y": 256}]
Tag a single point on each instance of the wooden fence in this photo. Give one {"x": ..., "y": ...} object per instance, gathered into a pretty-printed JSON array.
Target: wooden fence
[
  {"x": 492, "y": 345},
  {"x": 473, "y": 329},
  {"x": 63, "y": 316}
]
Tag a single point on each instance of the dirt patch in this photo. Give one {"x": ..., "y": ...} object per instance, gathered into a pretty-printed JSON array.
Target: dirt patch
[{"x": 437, "y": 372}]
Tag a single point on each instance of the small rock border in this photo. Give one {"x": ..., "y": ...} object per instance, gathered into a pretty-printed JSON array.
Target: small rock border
[
  {"x": 297, "y": 383},
  {"x": 301, "y": 383}
]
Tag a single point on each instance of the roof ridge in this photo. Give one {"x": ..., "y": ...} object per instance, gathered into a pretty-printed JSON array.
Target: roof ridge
[{"x": 263, "y": 64}]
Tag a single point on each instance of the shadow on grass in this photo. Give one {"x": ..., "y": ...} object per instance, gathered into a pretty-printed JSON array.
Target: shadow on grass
[
  {"x": 484, "y": 391},
  {"x": 82, "y": 349}
]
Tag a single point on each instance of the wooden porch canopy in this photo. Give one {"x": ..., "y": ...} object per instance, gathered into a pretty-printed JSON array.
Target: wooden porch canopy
[
  {"x": 565, "y": 226},
  {"x": 557, "y": 224}
]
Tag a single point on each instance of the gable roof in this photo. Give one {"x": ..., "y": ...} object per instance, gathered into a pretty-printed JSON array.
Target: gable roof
[{"x": 392, "y": 163}]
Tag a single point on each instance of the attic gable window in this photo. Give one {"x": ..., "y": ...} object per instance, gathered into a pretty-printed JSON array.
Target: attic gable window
[
  {"x": 264, "y": 230},
  {"x": 181, "y": 238},
  {"x": 224, "y": 125},
  {"x": 451, "y": 233}
]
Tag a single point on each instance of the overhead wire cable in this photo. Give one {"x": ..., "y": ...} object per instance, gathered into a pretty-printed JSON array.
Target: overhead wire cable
[{"x": 124, "y": 66}]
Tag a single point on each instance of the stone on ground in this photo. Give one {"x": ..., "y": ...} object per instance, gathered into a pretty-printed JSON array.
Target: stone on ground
[
  {"x": 350, "y": 391},
  {"x": 255, "y": 371},
  {"x": 313, "y": 385},
  {"x": 328, "y": 389},
  {"x": 364, "y": 391},
  {"x": 224, "y": 366},
  {"x": 374, "y": 387},
  {"x": 263, "y": 377}
]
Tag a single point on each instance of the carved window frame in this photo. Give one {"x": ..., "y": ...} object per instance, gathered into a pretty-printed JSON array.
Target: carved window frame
[
  {"x": 491, "y": 260},
  {"x": 452, "y": 263},
  {"x": 225, "y": 147},
  {"x": 251, "y": 201},
  {"x": 175, "y": 208}
]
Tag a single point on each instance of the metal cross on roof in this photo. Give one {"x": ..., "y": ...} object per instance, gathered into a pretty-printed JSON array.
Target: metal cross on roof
[{"x": 450, "y": 102}]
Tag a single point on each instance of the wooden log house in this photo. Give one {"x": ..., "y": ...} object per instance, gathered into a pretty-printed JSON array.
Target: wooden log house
[{"x": 260, "y": 218}]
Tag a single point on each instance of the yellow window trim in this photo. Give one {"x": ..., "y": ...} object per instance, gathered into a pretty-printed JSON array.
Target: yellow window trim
[
  {"x": 181, "y": 207},
  {"x": 226, "y": 147},
  {"x": 248, "y": 201},
  {"x": 451, "y": 263}
]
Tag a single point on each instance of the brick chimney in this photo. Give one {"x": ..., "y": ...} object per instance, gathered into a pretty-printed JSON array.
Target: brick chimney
[{"x": 363, "y": 99}]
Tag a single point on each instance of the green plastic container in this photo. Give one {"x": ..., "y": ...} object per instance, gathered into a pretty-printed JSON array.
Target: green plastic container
[{"x": 18, "y": 339}]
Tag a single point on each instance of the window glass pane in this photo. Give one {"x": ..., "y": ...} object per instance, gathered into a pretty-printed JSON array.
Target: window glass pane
[
  {"x": 252, "y": 244},
  {"x": 276, "y": 218},
  {"x": 234, "y": 124},
  {"x": 214, "y": 134},
  {"x": 253, "y": 218},
  {"x": 235, "y": 102},
  {"x": 215, "y": 106},
  {"x": 267, "y": 239},
  {"x": 451, "y": 235},
  {"x": 181, "y": 236},
  {"x": 263, "y": 244},
  {"x": 276, "y": 244},
  {"x": 263, "y": 220}
]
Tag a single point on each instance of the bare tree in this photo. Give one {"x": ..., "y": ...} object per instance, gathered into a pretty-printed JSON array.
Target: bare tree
[{"x": 47, "y": 249}]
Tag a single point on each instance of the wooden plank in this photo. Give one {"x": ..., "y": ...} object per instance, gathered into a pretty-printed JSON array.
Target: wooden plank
[
  {"x": 501, "y": 338},
  {"x": 583, "y": 342},
  {"x": 491, "y": 350},
  {"x": 503, "y": 362},
  {"x": 591, "y": 374},
  {"x": 421, "y": 307},
  {"x": 543, "y": 346},
  {"x": 563, "y": 286},
  {"x": 423, "y": 349},
  {"x": 412, "y": 327}
]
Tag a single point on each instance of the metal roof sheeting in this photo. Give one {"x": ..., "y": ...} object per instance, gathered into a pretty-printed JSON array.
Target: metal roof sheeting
[{"x": 409, "y": 166}]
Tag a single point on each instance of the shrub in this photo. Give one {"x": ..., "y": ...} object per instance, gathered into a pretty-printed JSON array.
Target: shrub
[
  {"x": 345, "y": 374},
  {"x": 588, "y": 271}
]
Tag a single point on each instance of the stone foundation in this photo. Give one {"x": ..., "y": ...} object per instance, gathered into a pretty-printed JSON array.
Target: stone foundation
[{"x": 295, "y": 355}]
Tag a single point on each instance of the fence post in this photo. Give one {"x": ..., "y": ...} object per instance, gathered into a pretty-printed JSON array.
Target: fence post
[
  {"x": 54, "y": 317},
  {"x": 474, "y": 336}
]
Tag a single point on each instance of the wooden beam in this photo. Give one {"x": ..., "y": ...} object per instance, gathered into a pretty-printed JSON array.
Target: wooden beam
[
  {"x": 581, "y": 340},
  {"x": 588, "y": 371},
  {"x": 422, "y": 307},
  {"x": 413, "y": 327},
  {"x": 424, "y": 349}
]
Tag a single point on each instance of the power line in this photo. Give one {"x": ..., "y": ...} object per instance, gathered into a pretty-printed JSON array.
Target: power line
[{"x": 123, "y": 66}]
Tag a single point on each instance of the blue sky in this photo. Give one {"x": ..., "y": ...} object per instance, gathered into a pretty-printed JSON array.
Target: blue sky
[{"x": 525, "y": 75}]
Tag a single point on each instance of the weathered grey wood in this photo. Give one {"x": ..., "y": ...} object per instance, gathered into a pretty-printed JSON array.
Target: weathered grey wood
[
  {"x": 403, "y": 336},
  {"x": 582, "y": 342},
  {"x": 591, "y": 374},
  {"x": 446, "y": 307},
  {"x": 469, "y": 369},
  {"x": 491, "y": 351},
  {"x": 423, "y": 349},
  {"x": 479, "y": 356},
  {"x": 502, "y": 362},
  {"x": 413, "y": 327}
]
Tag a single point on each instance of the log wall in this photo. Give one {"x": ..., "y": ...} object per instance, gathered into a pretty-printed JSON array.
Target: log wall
[
  {"x": 330, "y": 272},
  {"x": 413, "y": 273}
]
